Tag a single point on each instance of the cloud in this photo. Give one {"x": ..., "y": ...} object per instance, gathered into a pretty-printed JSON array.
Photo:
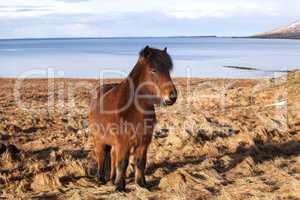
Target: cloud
[
  {"x": 178, "y": 8},
  {"x": 73, "y": 1},
  {"x": 226, "y": 8},
  {"x": 90, "y": 18}
]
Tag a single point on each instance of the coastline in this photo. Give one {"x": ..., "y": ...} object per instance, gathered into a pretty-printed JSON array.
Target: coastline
[
  {"x": 109, "y": 37},
  {"x": 153, "y": 37}
]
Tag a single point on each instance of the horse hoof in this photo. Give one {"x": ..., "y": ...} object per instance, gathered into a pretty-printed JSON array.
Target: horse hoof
[
  {"x": 112, "y": 179},
  {"x": 102, "y": 180},
  {"x": 120, "y": 188},
  {"x": 142, "y": 183}
]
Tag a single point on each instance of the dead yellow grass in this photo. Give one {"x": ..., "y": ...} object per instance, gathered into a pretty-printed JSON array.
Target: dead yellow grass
[{"x": 223, "y": 139}]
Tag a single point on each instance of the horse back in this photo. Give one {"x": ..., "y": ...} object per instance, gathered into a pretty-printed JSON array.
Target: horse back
[
  {"x": 105, "y": 88},
  {"x": 100, "y": 91}
]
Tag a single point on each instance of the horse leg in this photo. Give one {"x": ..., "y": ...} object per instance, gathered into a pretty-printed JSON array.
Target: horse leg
[
  {"x": 107, "y": 162},
  {"x": 113, "y": 164},
  {"x": 122, "y": 158},
  {"x": 140, "y": 159},
  {"x": 100, "y": 157}
]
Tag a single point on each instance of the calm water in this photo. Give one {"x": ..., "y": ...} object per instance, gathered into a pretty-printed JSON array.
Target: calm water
[{"x": 114, "y": 57}]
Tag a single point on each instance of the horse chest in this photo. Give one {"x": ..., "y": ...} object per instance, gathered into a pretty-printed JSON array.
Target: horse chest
[{"x": 139, "y": 127}]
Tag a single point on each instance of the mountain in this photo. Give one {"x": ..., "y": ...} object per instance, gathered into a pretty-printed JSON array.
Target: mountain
[{"x": 291, "y": 31}]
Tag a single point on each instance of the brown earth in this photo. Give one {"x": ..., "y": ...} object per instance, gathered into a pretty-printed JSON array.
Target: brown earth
[{"x": 223, "y": 139}]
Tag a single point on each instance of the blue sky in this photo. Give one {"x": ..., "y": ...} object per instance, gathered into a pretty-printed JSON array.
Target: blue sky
[{"x": 96, "y": 18}]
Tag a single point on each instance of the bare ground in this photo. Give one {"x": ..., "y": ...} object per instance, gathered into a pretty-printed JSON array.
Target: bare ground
[{"x": 223, "y": 139}]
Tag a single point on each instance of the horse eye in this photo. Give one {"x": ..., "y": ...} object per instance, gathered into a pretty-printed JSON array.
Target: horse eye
[{"x": 153, "y": 71}]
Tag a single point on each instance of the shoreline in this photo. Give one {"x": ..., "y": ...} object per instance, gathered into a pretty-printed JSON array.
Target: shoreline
[{"x": 153, "y": 37}]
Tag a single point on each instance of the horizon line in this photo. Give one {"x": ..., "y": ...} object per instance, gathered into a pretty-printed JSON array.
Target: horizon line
[{"x": 123, "y": 37}]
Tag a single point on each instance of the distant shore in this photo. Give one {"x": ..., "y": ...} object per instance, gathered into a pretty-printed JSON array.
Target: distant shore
[
  {"x": 145, "y": 37},
  {"x": 117, "y": 37},
  {"x": 277, "y": 37}
]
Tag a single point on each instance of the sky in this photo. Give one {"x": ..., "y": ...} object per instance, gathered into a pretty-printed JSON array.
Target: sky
[{"x": 122, "y": 18}]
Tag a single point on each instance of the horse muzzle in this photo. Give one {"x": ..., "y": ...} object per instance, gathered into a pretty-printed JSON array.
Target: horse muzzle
[{"x": 171, "y": 99}]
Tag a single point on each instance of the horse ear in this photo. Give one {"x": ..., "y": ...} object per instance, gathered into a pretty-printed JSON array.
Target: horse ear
[
  {"x": 145, "y": 52},
  {"x": 165, "y": 49}
]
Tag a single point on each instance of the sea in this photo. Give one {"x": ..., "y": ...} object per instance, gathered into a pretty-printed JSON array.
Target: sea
[{"x": 115, "y": 57}]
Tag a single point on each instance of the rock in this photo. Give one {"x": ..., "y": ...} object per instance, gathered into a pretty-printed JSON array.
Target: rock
[{"x": 162, "y": 133}]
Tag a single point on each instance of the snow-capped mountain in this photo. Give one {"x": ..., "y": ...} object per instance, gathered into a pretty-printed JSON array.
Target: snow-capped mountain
[{"x": 291, "y": 31}]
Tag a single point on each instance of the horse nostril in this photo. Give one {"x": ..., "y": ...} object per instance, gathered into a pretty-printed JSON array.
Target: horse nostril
[{"x": 173, "y": 96}]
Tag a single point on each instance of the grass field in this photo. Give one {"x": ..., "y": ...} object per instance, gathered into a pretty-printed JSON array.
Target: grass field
[{"x": 223, "y": 139}]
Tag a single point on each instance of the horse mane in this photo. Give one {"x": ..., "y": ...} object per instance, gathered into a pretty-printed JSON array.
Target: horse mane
[{"x": 159, "y": 58}]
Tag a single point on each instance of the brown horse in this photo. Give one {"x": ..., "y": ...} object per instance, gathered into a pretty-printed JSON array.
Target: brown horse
[{"x": 122, "y": 116}]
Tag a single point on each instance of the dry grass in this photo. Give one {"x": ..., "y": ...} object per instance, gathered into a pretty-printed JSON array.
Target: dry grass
[{"x": 223, "y": 139}]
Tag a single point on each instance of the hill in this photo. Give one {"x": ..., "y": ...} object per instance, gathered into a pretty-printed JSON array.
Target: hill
[{"x": 291, "y": 31}]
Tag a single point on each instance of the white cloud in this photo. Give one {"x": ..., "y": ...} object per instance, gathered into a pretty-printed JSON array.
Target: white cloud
[
  {"x": 19, "y": 8},
  {"x": 225, "y": 8},
  {"x": 55, "y": 18},
  {"x": 178, "y": 8}
]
